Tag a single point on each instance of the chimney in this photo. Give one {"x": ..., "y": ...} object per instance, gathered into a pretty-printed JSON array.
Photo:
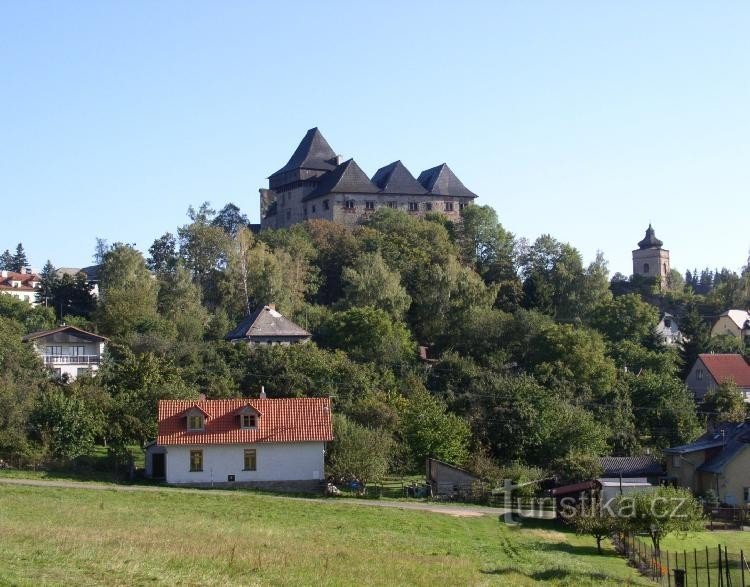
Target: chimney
[
  {"x": 262, "y": 392},
  {"x": 339, "y": 159},
  {"x": 271, "y": 306},
  {"x": 201, "y": 397}
]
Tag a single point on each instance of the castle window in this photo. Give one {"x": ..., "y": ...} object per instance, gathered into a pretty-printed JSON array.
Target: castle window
[
  {"x": 461, "y": 206},
  {"x": 646, "y": 268},
  {"x": 349, "y": 204},
  {"x": 413, "y": 206},
  {"x": 313, "y": 208},
  {"x": 449, "y": 206},
  {"x": 288, "y": 214},
  {"x": 304, "y": 210},
  {"x": 392, "y": 205},
  {"x": 428, "y": 206},
  {"x": 665, "y": 268},
  {"x": 369, "y": 205},
  {"x": 325, "y": 205}
]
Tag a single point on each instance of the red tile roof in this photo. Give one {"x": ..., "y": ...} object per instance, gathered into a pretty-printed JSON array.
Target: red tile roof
[
  {"x": 281, "y": 420},
  {"x": 7, "y": 277},
  {"x": 726, "y": 366}
]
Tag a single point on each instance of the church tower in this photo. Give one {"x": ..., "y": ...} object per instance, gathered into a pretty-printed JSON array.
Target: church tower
[{"x": 650, "y": 259}]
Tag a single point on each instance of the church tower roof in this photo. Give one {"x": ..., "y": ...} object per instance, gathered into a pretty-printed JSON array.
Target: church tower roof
[
  {"x": 313, "y": 152},
  {"x": 650, "y": 241}
]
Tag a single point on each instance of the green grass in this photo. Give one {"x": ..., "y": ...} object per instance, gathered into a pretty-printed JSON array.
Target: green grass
[
  {"x": 82, "y": 536},
  {"x": 733, "y": 540}
]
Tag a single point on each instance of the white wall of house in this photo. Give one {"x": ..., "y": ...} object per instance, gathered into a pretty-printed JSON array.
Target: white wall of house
[
  {"x": 294, "y": 461},
  {"x": 25, "y": 295}
]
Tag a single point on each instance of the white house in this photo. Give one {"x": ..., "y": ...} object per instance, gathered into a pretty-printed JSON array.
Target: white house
[
  {"x": 734, "y": 323},
  {"x": 266, "y": 443},
  {"x": 22, "y": 286},
  {"x": 669, "y": 330},
  {"x": 68, "y": 350}
]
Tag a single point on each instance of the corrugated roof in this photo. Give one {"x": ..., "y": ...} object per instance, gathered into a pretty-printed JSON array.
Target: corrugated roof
[
  {"x": 441, "y": 181},
  {"x": 281, "y": 420},
  {"x": 395, "y": 178},
  {"x": 639, "y": 466},
  {"x": 313, "y": 152},
  {"x": 727, "y": 366},
  {"x": 347, "y": 178},
  {"x": 266, "y": 322}
]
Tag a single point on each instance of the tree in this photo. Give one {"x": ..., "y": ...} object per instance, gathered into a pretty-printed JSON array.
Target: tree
[
  {"x": 179, "y": 302},
  {"x": 100, "y": 249},
  {"x": 6, "y": 261},
  {"x": 20, "y": 261},
  {"x": 63, "y": 425},
  {"x": 358, "y": 453},
  {"x": 371, "y": 283},
  {"x": 128, "y": 292},
  {"x": 163, "y": 254},
  {"x": 47, "y": 284},
  {"x": 230, "y": 219},
  {"x": 660, "y": 512},
  {"x": 626, "y": 317},
  {"x": 724, "y": 403},
  {"x": 72, "y": 295},
  {"x": 595, "y": 519},
  {"x": 368, "y": 334},
  {"x": 429, "y": 430},
  {"x": 577, "y": 466},
  {"x": 486, "y": 245}
]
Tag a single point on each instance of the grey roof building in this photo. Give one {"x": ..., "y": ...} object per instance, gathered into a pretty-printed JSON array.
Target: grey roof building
[
  {"x": 268, "y": 327},
  {"x": 317, "y": 184}
]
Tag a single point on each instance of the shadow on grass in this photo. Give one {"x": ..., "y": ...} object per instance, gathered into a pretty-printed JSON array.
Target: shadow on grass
[{"x": 571, "y": 577}]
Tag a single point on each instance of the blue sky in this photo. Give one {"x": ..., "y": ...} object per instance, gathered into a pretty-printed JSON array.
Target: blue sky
[{"x": 585, "y": 120}]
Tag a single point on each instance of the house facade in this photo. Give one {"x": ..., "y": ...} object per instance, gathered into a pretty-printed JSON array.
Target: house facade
[
  {"x": 318, "y": 184},
  {"x": 69, "y": 351},
  {"x": 710, "y": 370},
  {"x": 734, "y": 323},
  {"x": 718, "y": 461},
  {"x": 266, "y": 326},
  {"x": 22, "y": 286},
  {"x": 266, "y": 443}
]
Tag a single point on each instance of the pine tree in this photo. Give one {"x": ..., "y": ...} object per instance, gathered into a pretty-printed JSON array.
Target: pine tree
[
  {"x": 48, "y": 284},
  {"x": 19, "y": 259},
  {"x": 6, "y": 261}
]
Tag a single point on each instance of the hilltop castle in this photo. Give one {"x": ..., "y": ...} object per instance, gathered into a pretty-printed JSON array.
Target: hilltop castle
[
  {"x": 650, "y": 259},
  {"x": 316, "y": 183}
]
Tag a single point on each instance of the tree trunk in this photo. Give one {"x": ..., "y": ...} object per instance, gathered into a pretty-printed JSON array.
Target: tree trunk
[{"x": 599, "y": 544}]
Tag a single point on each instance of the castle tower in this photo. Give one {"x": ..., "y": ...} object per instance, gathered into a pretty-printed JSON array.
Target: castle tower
[{"x": 650, "y": 259}]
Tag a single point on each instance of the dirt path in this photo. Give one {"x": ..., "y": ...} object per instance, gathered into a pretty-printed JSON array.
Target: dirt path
[{"x": 467, "y": 511}]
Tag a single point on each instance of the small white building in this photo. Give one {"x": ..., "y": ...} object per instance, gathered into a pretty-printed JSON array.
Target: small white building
[
  {"x": 266, "y": 443},
  {"x": 22, "y": 286},
  {"x": 669, "y": 330},
  {"x": 69, "y": 351}
]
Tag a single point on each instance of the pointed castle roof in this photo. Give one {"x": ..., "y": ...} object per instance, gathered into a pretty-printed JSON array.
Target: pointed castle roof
[
  {"x": 650, "y": 241},
  {"x": 442, "y": 181},
  {"x": 397, "y": 179},
  {"x": 313, "y": 152},
  {"x": 346, "y": 178}
]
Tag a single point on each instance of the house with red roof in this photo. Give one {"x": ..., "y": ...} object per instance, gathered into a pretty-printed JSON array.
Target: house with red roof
[
  {"x": 22, "y": 286},
  {"x": 710, "y": 370},
  {"x": 265, "y": 443}
]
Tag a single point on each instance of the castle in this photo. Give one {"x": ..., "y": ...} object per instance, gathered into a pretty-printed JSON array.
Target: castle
[{"x": 316, "y": 183}]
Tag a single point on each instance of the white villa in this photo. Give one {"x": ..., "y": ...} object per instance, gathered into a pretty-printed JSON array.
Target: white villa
[
  {"x": 21, "y": 286},
  {"x": 68, "y": 350}
]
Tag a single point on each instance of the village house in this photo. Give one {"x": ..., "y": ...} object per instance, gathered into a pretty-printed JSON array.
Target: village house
[
  {"x": 22, "y": 286},
  {"x": 719, "y": 460},
  {"x": 668, "y": 330},
  {"x": 265, "y": 443},
  {"x": 266, "y": 326},
  {"x": 734, "y": 323},
  {"x": 69, "y": 351},
  {"x": 317, "y": 183},
  {"x": 710, "y": 370}
]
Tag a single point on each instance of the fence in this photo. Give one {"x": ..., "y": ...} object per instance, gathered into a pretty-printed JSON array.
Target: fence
[{"x": 712, "y": 567}]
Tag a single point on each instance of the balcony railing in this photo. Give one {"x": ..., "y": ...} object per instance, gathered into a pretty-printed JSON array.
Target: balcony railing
[{"x": 71, "y": 359}]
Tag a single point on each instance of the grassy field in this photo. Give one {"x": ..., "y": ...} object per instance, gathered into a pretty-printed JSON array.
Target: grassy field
[
  {"x": 733, "y": 540},
  {"x": 81, "y": 536}
]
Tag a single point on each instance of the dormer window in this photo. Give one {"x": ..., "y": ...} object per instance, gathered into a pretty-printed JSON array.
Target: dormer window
[
  {"x": 196, "y": 420},
  {"x": 248, "y": 418}
]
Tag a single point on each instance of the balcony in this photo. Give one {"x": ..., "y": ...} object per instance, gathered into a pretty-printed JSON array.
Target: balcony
[{"x": 71, "y": 359}]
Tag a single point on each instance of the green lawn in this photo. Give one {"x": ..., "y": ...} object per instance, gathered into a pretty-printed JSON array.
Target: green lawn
[
  {"x": 733, "y": 540},
  {"x": 81, "y": 536}
]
